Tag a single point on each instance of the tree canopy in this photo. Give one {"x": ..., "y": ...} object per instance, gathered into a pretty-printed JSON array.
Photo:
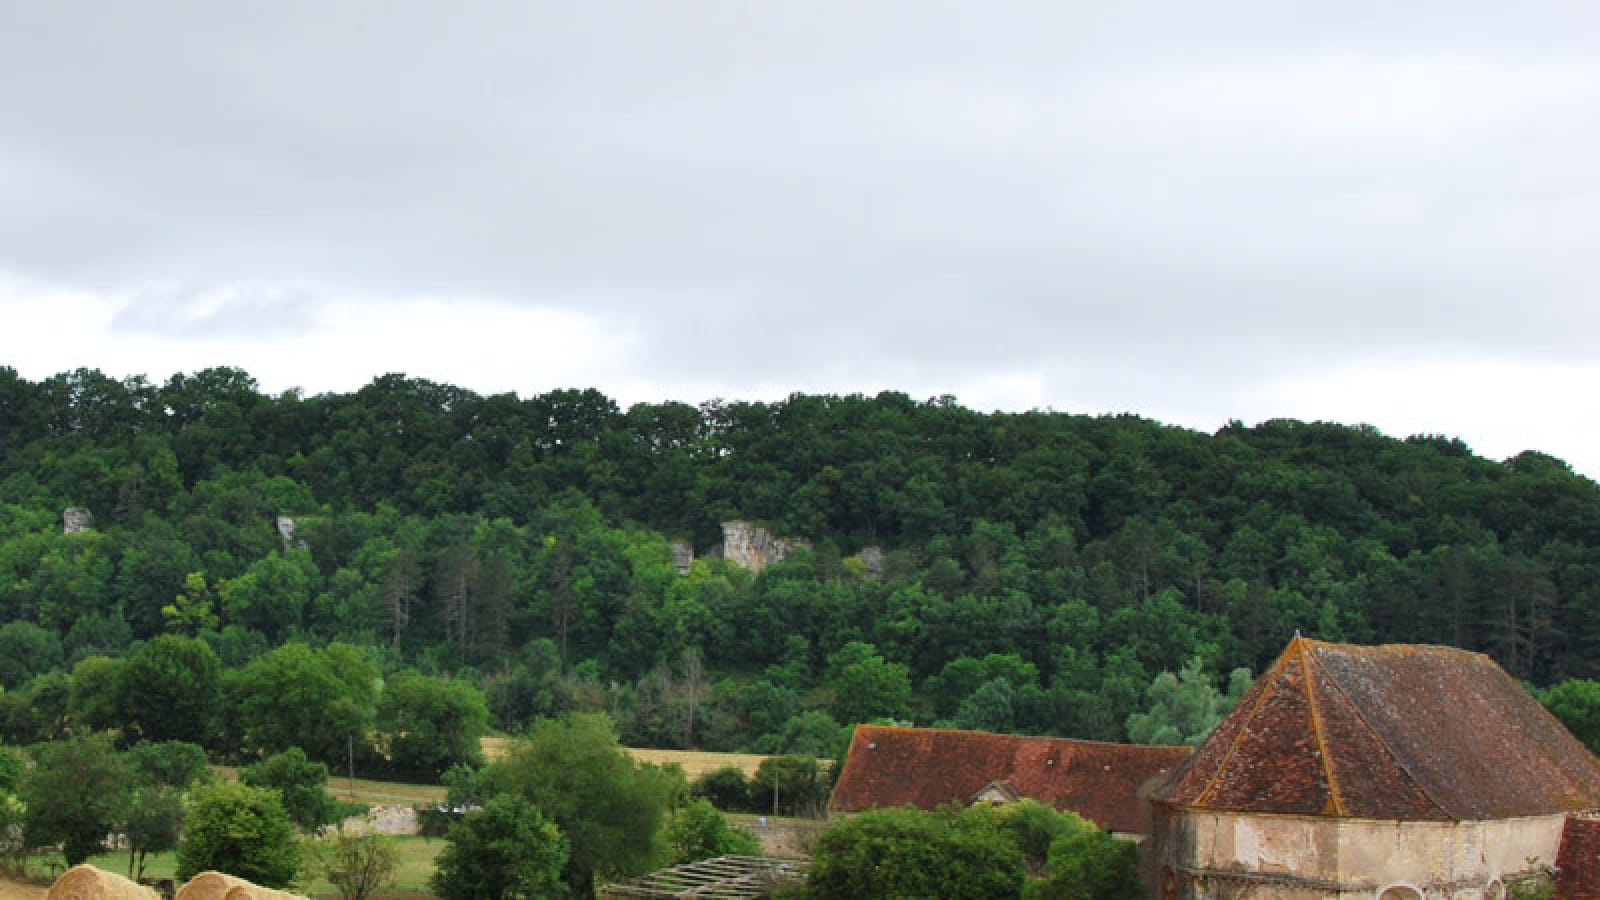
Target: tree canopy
[
  {"x": 1032, "y": 571},
  {"x": 609, "y": 808}
]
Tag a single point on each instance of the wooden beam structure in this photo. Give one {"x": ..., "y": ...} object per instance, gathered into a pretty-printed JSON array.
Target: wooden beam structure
[{"x": 722, "y": 878}]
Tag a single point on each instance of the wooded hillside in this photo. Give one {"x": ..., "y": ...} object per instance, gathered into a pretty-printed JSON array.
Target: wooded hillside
[{"x": 1039, "y": 567}]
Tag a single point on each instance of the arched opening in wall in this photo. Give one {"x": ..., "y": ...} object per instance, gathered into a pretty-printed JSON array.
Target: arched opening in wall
[
  {"x": 1400, "y": 892},
  {"x": 1495, "y": 891}
]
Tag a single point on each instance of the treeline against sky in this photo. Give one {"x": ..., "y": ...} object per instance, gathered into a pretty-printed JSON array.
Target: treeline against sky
[{"x": 1039, "y": 568}]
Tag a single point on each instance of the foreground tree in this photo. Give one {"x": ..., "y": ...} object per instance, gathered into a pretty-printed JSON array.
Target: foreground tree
[
  {"x": 504, "y": 851},
  {"x": 152, "y": 824},
  {"x": 13, "y": 843},
  {"x": 75, "y": 796},
  {"x": 241, "y": 830},
  {"x": 610, "y": 808}
]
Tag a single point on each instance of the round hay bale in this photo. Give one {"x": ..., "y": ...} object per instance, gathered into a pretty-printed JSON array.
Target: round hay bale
[
  {"x": 209, "y": 886},
  {"x": 256, "y": 892},
  {"x": 88, "y": 883}
]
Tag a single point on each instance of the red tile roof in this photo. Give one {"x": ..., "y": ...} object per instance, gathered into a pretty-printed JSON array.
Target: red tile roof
[
  {"x": 1389, "y": 732},
  {"x": 930, "y": 767},
  {"x": 1578, "y": 862}
]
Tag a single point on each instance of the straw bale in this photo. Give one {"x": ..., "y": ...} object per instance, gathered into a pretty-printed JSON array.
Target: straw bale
[
  {"x": 256, "y": 892},
  {"x": 209, "y": 886},
  {"x": 88, "y": 883}
]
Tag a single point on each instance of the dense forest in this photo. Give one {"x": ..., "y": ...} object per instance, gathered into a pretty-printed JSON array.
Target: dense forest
[{"x": 1039, "y": 569}]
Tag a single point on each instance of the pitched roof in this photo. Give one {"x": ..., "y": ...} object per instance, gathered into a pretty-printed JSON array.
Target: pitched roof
[
  {"x": 930, "y": 767},
  {"x": 1390, "y": 732}
]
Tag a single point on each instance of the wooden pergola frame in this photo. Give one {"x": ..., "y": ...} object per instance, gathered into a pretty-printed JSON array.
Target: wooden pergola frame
[{"x": 722, "y": 878}]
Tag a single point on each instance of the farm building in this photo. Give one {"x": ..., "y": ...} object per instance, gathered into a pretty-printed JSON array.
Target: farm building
[
  {"x": 1390, "y": 773},
  {"x": 931, "y": 767}
]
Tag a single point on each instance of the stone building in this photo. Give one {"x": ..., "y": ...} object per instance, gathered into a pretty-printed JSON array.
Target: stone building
[
  {"x": 931, "y": 767},
  {"x": 1385, "y": 773}
]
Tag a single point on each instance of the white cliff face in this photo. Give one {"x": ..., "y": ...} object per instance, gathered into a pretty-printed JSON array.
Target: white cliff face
[
  {"x": 682, "y": 556},
  {"x": 754, "y": 547},
  {"x": 76, "y": 520}
]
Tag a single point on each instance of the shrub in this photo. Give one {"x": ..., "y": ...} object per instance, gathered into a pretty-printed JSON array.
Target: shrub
[
  {"x": 907, "y": 852},
  {"x": 726, "y": 788},
  {"x": 698, "y": 831},
  {"x": 241, "y": 830},
  {"x": 303, "y": 785},
  {"x": 355, "y": 864},
  {"x": 505, "y": 850}
]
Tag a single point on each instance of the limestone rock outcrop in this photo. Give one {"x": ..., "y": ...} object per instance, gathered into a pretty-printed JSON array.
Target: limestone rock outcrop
[{"x": 754, "y": 547}]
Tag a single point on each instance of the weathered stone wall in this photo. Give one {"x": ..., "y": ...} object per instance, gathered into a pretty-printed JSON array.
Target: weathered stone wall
[
  {"x": 787, "y": 840},
  {"x": 1229, "y": 855},
  {"x": 384, "y": 820},
  {"x": 754, "y": 547}
]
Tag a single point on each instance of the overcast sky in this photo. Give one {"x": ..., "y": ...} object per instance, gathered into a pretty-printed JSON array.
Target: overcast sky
[{"x": 1364, "y": 212}]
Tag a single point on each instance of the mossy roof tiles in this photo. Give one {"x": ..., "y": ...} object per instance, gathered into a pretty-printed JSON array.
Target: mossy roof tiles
[
  {"x": 1389, "y": 732},
  {"x": 930, "y": 767}
]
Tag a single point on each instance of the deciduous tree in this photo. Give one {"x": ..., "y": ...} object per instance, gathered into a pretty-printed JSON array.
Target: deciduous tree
[
  {"x": 505, "y": 851},
  {"x": 241, "y": 830}
]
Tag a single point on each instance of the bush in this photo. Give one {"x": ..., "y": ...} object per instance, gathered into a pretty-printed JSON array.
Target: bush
[
  {"x": 906, "y": 852},
  {"x": 503, "y": 851},
  {"x": 426, "y": 725},
  {"x": 303, "y": 785},
  {"x": 241, "y": 830},
  {"x": 355, "y": 864},
  {"x": 698, "y": 831},
  {"x": 789, "y": 786},
  {"x": 171, "y": 763},
  {"x": 1087, "y": 862},
  {"x": 727, "y": 788}
]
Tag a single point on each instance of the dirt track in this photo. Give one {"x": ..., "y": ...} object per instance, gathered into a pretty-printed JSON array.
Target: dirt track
[{"x": 11, "y": 890}]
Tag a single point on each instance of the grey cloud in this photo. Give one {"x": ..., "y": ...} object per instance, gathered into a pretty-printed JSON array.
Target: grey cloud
[
  {"x": 1196, "y": 196},
  {"x": 254, "y": 313}
]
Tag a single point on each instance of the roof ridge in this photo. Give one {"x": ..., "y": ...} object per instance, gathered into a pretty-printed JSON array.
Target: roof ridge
[
  {"x": 1040, "y": 738},
  {"x": 1399, "y": 761},
  {"x": 1311, "y": 667},
  {"x": 1267, "y": 692}
]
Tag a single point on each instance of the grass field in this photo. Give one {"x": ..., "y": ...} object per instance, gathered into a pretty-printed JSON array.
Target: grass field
[
  {"x": 694, "y": 762},
  {"x": 416, "y": 853},
  {"x": 409, "y": 882}
]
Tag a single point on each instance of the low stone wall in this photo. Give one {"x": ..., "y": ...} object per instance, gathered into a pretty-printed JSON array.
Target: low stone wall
[
  {"x": 787, "y": 840},
  {"x": 384, "y": 820}
]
